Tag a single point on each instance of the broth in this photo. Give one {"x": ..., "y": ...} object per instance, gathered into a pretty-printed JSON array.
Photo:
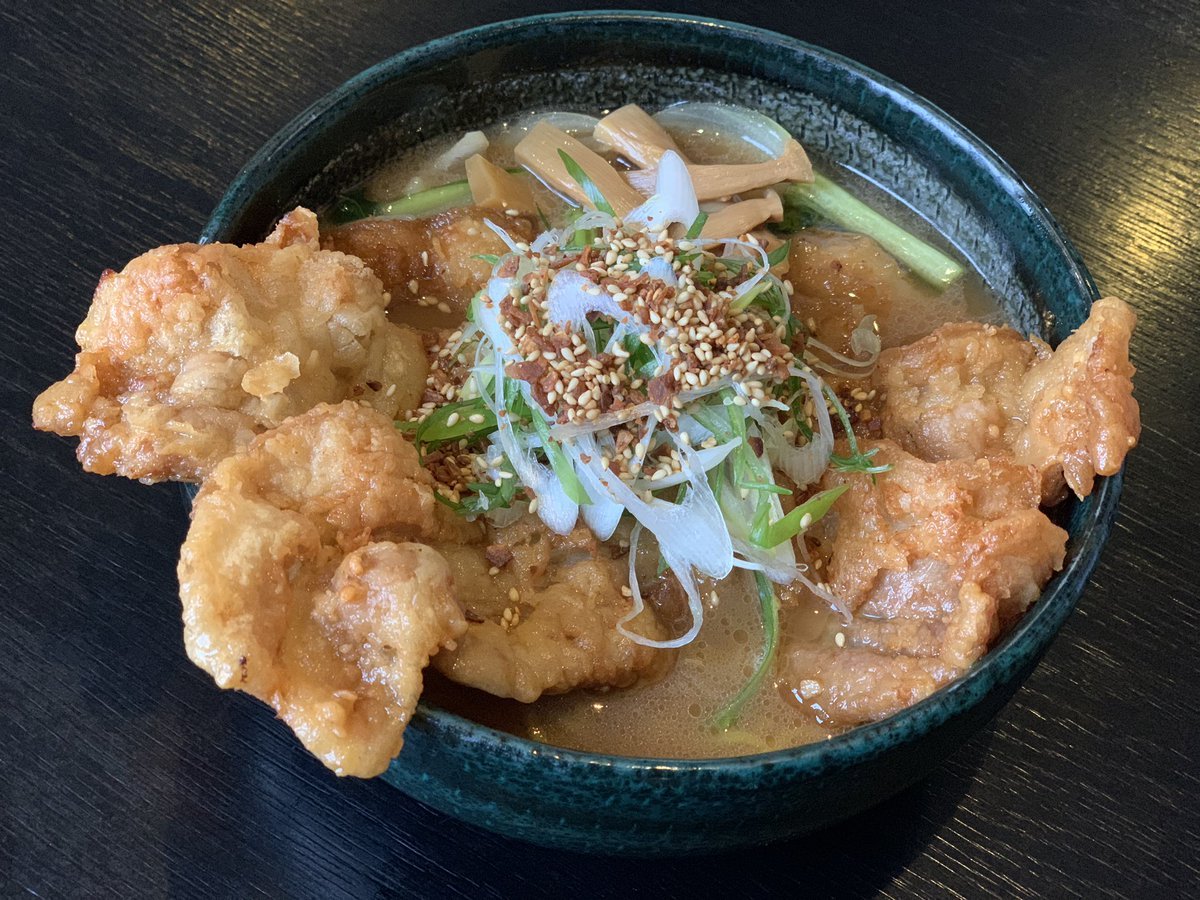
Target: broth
[{"x": 672, "y": 717}]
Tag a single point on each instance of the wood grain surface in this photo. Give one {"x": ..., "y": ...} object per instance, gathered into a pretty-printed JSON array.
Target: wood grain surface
[{"x": 124, "y": 772}]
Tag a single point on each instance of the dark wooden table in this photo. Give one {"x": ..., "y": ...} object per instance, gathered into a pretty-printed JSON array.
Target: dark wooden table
[{"x": 124, "y": 771}]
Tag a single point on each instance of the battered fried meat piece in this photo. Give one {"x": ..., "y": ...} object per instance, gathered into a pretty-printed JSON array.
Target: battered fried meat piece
[
  {"x": 300, "y": 584},
  {"x": 954, "y": 394},
  {"x": 933, "y": 559},
  {"x": 192, "y": 350},
  {"x": 970, "y": 390},
  {"x": 557, "y": 632},
  {"x": 1080, "y": 418},
  {"x": 430, "y": 260}
]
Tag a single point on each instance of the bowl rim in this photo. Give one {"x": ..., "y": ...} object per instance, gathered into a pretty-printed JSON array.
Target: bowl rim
[{"x": 1024, "y": 643}]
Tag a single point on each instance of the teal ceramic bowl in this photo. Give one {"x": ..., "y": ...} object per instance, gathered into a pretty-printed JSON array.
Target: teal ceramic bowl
[{"x": 843, "y": 113}]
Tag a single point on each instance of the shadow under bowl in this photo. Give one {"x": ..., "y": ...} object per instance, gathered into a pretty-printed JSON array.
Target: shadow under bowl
[{"x": 844, "y": 114}]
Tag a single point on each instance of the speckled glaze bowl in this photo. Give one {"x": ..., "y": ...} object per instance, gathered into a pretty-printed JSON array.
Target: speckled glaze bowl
[{"x": 842, "y": 113}]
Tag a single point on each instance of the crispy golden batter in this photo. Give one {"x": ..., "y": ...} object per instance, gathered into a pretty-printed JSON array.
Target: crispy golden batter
[
  {"x": 561, "y": 627},
  {"x": 299, "y": 585},
  {"x": 192, "y": 350},
  {"x": 971, "y": 390},
  {"x": 1078, "y": 408},
  {"x": 954, "y": 394},
  {"x": 933, "y": 559},
  {"x": 429, "y": 260}
]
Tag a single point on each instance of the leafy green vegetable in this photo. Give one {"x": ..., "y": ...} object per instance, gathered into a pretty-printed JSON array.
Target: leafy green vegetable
[
  {"x": 585, "y": 182},
  {"x": 490, "y": 258},
  {"x": 486, "y": 495},
  {"x": 641, "y": 362},
  {"x": 696, "y": 227},
  {"x": 602, "y": 328},
  {"x": 835, "y": 204},
  {"x": 769, "y": 609}
]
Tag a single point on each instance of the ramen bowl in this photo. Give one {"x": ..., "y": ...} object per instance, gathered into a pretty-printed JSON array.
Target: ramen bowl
[{"x": 843, "y": 114}]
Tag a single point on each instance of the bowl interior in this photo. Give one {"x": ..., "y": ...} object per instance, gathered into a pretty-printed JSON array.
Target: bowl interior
[{"x": 843, "y": 114}]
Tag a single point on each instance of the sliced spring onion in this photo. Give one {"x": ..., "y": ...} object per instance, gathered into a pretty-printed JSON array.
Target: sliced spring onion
[
  {"x": 779, "y": 254},
  {"x": 564, "y": 470},
  {"x": 726, "y": 120},
  {"x": 803, "y": 465},
  {"x": 674, "y": 198},
  {"x": 586, "y": 184},
  {"x": 468, "y": 145},
  {"x": 487, "y": 496},
  {"x": 422, "y": 203},
  {"x": 555, "y": 508},
  {"x": 455, "y": 421},
  {"x": 747, "y": 298},
  {"x": 697, "y": 226},
  {"x": 577, "y": 125},
  {"x": 692, "y": 534},
  {"x": 857, "y": 461},
  {"x": 569, "y": 301},
  {"x": 798, "y": 520},
  {"x": 831, "y": 202},
  {"x": 769, "y": 608}
]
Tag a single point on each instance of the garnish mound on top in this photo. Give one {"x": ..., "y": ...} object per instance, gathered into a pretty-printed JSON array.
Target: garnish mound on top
[{"x": 632, "y": 364}]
